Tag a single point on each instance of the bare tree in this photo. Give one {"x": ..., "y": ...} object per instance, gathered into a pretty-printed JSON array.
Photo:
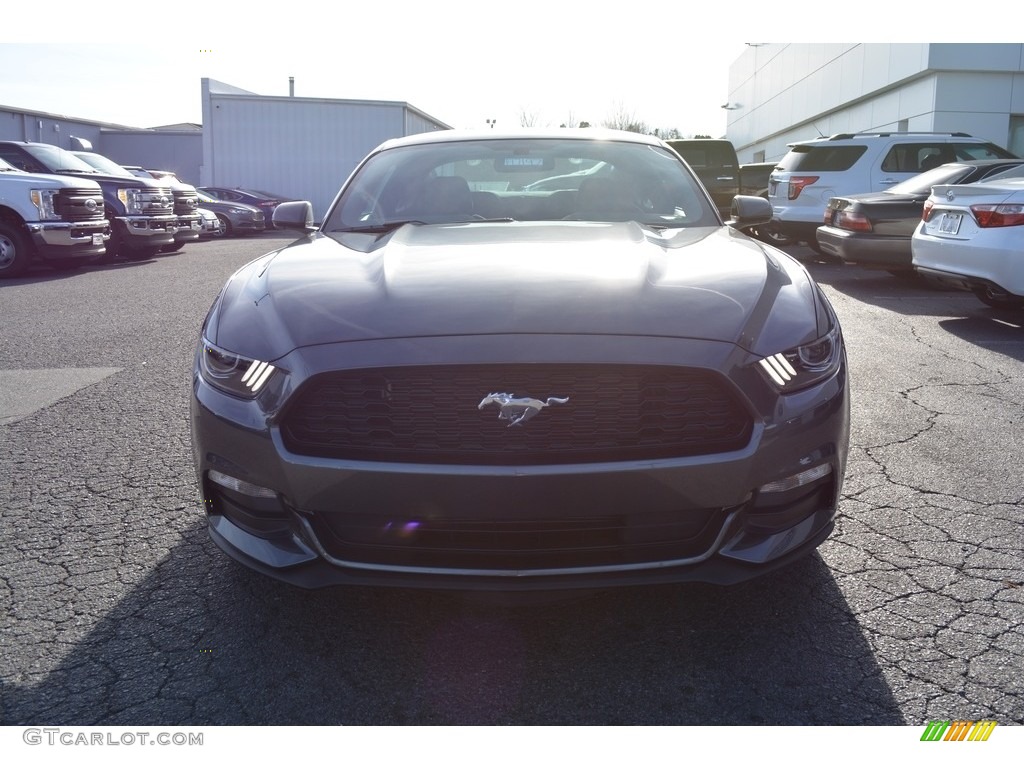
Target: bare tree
[
  {"x": 528, "y": 118},
  {"x": 625, "y": 120}
]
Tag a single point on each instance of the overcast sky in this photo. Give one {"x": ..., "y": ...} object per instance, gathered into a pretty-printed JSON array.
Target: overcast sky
[{"x": 461, "y": 62}]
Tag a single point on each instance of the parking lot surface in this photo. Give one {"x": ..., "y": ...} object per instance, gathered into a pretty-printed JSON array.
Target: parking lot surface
[{"x": 117, "y": 609}]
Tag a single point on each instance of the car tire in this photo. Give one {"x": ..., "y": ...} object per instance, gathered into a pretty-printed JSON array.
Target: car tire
[
  {"x": 114, "y": 245},
  {"x": 14, "y": 251},
  {"x": 225, "y": 226}
]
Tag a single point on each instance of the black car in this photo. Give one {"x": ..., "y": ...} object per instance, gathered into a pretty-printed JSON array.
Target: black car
[
  {"x": 265, "y": 201},
  {"x": 874, "y": 229},
  {"x": 459, "y": 381}
]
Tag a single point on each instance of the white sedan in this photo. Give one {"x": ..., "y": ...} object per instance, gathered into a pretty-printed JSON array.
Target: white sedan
[{"x": 972, "y": 236}]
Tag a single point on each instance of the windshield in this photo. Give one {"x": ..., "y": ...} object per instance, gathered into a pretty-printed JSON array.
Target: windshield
[
  {"x": 523, "y": 179},
  {"x": 59, "y": 160},
  {"x": 101, "y": 163}
]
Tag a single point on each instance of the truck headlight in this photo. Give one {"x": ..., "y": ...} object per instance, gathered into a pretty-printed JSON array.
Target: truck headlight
[
  {"x": 132, "y": 200},
  {"x": 43, "y": 200}
]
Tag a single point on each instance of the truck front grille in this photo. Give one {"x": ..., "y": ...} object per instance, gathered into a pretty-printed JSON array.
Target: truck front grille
[{"x": 79, "y": 204}]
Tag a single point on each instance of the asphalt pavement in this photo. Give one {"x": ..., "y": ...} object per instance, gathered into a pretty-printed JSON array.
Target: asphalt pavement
[{"x": 118, "y": 610}]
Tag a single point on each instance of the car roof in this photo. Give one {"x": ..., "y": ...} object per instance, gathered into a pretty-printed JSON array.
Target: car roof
[
  {"x": 947, "y": 136},
  {"x": 582, "y": 134}
]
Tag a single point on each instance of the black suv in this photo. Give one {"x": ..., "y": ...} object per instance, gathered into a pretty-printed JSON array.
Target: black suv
[{"x": 140, "y": 211}]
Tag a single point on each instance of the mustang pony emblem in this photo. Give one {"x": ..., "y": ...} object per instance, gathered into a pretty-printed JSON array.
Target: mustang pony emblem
[{"x": 516, "y": 410}]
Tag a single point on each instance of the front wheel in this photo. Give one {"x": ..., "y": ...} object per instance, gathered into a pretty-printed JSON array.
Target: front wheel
[
  {"x": 14, "y": 251},
  {"x": 225, "y": 225}
]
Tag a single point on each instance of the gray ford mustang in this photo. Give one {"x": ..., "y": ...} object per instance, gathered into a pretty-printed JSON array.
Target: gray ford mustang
[{"x": 533, "y": 360}]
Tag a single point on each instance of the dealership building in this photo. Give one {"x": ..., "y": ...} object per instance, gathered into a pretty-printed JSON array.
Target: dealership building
[{"x": 783, "y": 93}]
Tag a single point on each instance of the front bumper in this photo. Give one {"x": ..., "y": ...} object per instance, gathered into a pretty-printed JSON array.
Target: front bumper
[
  {"x": 471, "y": 527},
  {"x": 142, "y": 232},
  {"x": 62, "y": 240},
  {"x": 188, "y": 229}
]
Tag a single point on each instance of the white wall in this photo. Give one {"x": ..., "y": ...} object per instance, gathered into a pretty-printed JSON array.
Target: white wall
[
  {"x": 793, "y": 92},
  {"x": 302, "y": 148}
]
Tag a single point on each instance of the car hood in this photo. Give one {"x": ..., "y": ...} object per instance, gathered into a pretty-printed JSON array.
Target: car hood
[{"x": 518, "y": 278}]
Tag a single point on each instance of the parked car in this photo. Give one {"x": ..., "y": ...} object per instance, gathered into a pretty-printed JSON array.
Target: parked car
[
  {"x": 874, "y": 229},
  {"x": 813, "y": 172},
  {"x": 714, "y": 161},
  {"x": 971, "y": 235},
  {"x": 265, "y": 201},
  {"x": 235, "y": 218},
  {"x": 140, "y": 211},
  {"x": 211, "y": 226},
  {"x": 414, "y": 395},
  {"x": 52, "y": 219}
]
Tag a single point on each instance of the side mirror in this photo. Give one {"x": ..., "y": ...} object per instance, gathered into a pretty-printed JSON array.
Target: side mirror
[
  {"x": 747, "y": 211},
  {"x": 297, "y": 214}
]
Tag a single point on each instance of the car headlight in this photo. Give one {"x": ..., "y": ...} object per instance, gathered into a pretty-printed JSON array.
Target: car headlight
[
  {"x": 132, "y": 200},
  {"x": 806, "y": 365},
  {"x": 43, "y": 199},
  {"x": 234, "y": 374}
]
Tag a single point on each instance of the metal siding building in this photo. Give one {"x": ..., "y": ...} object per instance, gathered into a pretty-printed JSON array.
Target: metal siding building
[
  {"x": 180, "y": 151},
  {"x": 298, "y": 147},
  {"x": 166, "y": 149},
  {"x": 782, "y": 93}
]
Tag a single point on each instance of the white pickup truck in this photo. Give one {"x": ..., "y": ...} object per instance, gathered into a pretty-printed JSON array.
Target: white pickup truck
[{"x": 54, "y": 219}]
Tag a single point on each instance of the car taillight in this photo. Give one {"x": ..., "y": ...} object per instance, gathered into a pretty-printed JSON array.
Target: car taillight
[
  {"x": 1004, "y": 215},
  {"x": 857, "y": 222},
  {"x": 797, "y": 184},
  {"x": 927, "y": 210}
]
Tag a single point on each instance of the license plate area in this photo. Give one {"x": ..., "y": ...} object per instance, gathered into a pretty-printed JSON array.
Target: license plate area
[
  {"x": 949, "y": 224},
  {"x": 97, "y": 239}
]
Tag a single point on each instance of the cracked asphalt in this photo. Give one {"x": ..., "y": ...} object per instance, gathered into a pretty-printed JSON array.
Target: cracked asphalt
[{"x": 118, "y": 610}]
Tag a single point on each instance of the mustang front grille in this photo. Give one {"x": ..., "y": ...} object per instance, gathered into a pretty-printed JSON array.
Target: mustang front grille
[{"x": 435, "y": 414}]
